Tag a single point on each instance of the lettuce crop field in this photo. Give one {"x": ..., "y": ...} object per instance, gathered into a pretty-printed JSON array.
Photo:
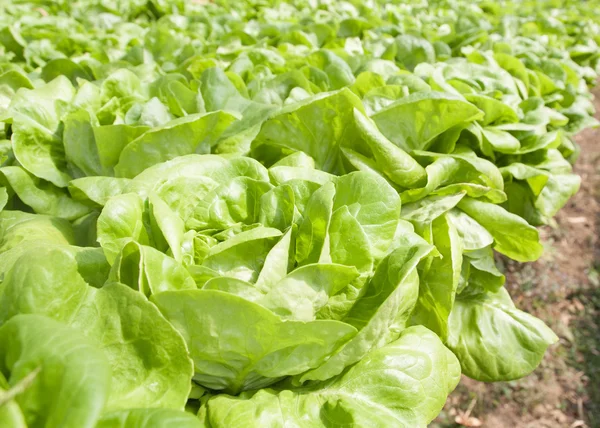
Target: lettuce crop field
[{"x": 277, "y": 214}]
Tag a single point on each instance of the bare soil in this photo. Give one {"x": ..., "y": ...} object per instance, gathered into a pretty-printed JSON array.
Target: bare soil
[{"x": 563, "y": 289}]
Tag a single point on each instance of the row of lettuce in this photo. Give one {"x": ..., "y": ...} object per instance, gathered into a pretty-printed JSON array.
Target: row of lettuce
[{"x": 276, "y": 213}]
